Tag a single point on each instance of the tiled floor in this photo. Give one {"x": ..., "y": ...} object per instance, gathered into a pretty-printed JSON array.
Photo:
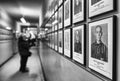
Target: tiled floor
[{"x": 10, "y": 71}]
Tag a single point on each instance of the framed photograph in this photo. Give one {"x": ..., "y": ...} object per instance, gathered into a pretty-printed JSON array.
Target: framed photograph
[
  {"x": 78, "y": 10},
  {"x": 56, "y": 27},
  {"x": 56, "y": 41},
  {"x": 67, "y": 43},
  {"x": 60, "y": 17},
  {"x": 56, "y": 5},
  {"x": 53, "y": 20},
  {"x": 60, "y": 2},
  {"x": 67, "y": 13},
  {"x": 60, "y": 41},
  {"x": 97, "y": 7},
  {"x": 101, "y": 46},
  {"x": 48, "y": 39},
  {"x": 53, "y": 28},
  {"x": 52, "y": 40},
  {"x": 78, "y": 44}
]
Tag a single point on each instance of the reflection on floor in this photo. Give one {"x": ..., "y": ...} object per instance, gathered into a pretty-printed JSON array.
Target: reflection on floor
[{"x": 10, "y": 71}]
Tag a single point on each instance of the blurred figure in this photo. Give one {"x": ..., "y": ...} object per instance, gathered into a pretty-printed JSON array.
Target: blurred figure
[{"x": 24, "y": 45}]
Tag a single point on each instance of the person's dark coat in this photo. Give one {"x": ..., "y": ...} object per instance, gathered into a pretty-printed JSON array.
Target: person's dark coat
[{"x": 24, "y": 46}]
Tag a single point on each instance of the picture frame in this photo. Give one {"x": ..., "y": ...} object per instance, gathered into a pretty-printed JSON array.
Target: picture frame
[
  {"x": 56, "y": 21},
  {"x": 60, "y": 2},
  {"x": 67, "y": 43},
  {"x": 47, "y": 36},
  {"x": 60, "y": 17},
  {"x": 56, "y": 27},
  {"x": 56, "y": 41},
  {"x": 67, "y": 13},
  {"x": 60, "y": 41},
  {"x": 53, "y": 28},
  {"x": 78, "y": 44},
  {"x": 52, "y": 41},
  {"x": 53, "y": 20},
  {"x": 78, "y": 10},
  {"x": 56, "y": 5},
  {"x": 101, "y": 50},
  {"x": 97, "y": 7}
]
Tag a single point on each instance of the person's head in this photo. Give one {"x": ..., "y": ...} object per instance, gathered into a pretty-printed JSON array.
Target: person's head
[
  {"x": 77, "y": 36},
  {"x": 98, "y": 32},
  {"x": 24, "y": 30},
  {"x": 77, "y": 2},
  {"x": 26, "y": 35}
]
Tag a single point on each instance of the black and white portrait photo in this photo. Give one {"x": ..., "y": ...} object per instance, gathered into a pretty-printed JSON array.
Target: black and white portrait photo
[
  {"x": 53, "y": 28},
  {"x": 77, "y": 6},
  {"x": 78, "y": 10},
  {"x": 50, "y": 40},
  {"x": 53, "y": 40},
  {"x": 94, "y": 1},
  {"x": 56, "y": 41},
  {"x": 60, "y": 17},
  {"x": 97, "y": 7},
  {"x": 60, "y": 43},
  {"x": 56, "y": 27},
  {"x": 67, "y": 42},
  {"x": 78, "y": 43},
  {"x": 67, "y": 10},
  {"x": 101, "y": 46},
  {"x": 67, "y": 13}
]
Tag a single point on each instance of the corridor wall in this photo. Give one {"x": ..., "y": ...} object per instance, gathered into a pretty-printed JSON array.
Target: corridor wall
[
  {"x": 6, "y": 43},
  {"x": 58, "y": 67}
]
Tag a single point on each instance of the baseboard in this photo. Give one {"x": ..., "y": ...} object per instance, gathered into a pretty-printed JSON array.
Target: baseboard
[
  {"x": 8, "y": 59},
  {"x": 45, "y": 79}
]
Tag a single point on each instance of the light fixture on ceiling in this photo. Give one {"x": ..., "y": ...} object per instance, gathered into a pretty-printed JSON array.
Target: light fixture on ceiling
[{"x": 23, "y": 20}]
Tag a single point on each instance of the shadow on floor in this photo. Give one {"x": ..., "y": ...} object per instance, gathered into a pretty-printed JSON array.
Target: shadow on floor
[{"x": 18, "y": 76}]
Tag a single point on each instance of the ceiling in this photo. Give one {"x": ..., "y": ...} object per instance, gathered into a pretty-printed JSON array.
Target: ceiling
[{"x": 29, "y": 9}]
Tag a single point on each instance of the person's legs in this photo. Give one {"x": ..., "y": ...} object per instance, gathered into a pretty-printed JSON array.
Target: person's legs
[{"x": 23, "y": 63}]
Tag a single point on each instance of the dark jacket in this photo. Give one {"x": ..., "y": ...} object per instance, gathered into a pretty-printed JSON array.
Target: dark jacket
[
  {"x": 23, "y": 47},
  {"x": 99, "y": 51}
]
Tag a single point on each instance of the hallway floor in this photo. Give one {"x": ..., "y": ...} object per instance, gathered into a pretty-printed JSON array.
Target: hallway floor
[{"x": 10, "y": 71}]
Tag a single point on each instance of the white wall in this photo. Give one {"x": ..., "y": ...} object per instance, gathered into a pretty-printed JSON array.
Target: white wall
[{"x": 6, "y": 50}]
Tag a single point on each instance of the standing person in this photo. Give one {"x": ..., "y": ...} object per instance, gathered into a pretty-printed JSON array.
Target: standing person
[
  {"x": 98, "y": 48},
  {"x": 23, "y": 47}
]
